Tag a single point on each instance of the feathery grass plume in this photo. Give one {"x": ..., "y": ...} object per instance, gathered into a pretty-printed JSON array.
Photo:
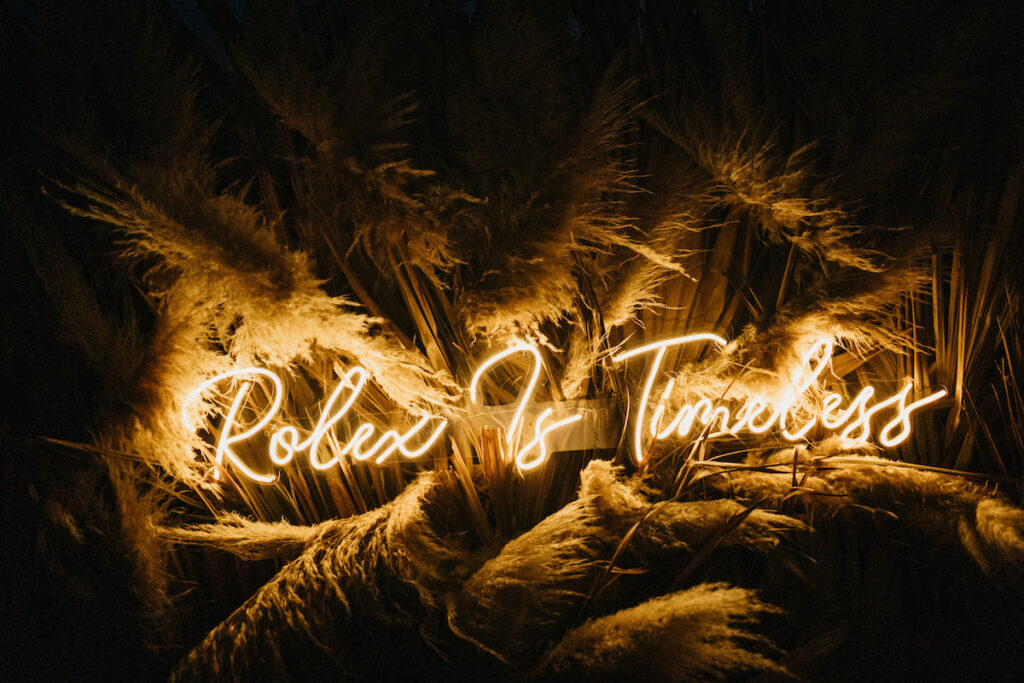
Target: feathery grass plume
[
  {"x": 111, "y": 349},
  {"x": 404, "y": 219},
  {"x": 670, "y": 213},
  {"x": 767, "y": 360},
  {"x": 185, "y": 222},
  {"x": 552, "y": 176},
  {"x": 852, "y": 474},
  {"x": 357, "y": 577},
  {"x": 539, "y": 580},
  {"x": 277, "y": 332},
  {"x": 859, "y": 308},
  {"x": 618, "y": 284},
  {"x": 300, "y": 72},
  {"x": 261, "y": 297},
  {"x": 634, "y": 290},
  {"x": 879, "y": 483},
  {"x": 997, "y": 541},
  {"x": 140, "y": 513},
  {"x": 175, "y": 358},
  {"x": 244, "y": 538},
  {"x": 830, "y": 476},
  {"x": 356, "y": 185},
  {"x": 674, "y": 527},
  {"x": 699, "y": 634},
  {"x": 535, "y": 584},
  {"x": 605, "y": 308},
  {"x": 141, "y": 381},
  {"x": 780, "y": 192},
  {"x": 582, "y": 354},
  {"x": 765, "y": 476},
  {"x": 162, "y": 195}
]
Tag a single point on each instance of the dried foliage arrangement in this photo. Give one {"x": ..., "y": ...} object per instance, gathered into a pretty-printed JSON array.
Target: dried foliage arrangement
[{"x": 409, "y": 185}]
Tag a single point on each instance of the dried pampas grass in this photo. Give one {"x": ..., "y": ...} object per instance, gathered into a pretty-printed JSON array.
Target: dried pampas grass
[
  {"x": 471, "y": 178},
  {"x": 829, "y": 477},
  {"x": 140, "y": 514},
  {"x": 540, "y": 580},
  {"x": 572, "y": 213},
  {"x": 769, "y": 359},
  {"x": 387, "y": 569},
  {"x": 244, "y": 538},
  {"x": 995, "y": 538},
  {"x": 356, "y": 579},
  {"x": 698, "y": 634},
  {"x": 779, "y": 191}
]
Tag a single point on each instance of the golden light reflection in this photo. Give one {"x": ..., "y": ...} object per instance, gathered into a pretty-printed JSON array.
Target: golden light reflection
[
  {"x": 758, "y": 415},
  {"x": 792, "y": 412}
]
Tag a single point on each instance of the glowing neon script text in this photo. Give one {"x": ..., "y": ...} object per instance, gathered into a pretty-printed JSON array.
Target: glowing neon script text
[
  {"x": 780, "y": 413},
  {"x": 759, "y": 415},
  {"x": 285, "y": 443}
]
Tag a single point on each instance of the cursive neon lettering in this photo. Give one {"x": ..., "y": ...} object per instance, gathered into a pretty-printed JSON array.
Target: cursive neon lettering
[
  {"x": 759, "y": 415},
  {"x": 790, "y": 413},
  {"x": 652, "y": 374},
  {"x": 226, "y": 438},
  {"x": 284, "y": 441},
  {"x": 531, "y": 385},
  {"x": 540, "y": 432}
]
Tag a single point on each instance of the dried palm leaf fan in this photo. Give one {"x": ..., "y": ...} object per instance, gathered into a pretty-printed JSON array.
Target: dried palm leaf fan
[{"x": 410, "y": 187}]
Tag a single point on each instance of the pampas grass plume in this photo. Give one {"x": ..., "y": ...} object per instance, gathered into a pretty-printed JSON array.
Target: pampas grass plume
[{"x": 696, "y": 635}]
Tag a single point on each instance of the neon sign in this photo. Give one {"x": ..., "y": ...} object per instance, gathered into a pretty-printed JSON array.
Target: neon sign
[
  {"x": 759, "y": 415},
  {"x": 285, "y": 443},
  {"x": 787, "y": 413}
]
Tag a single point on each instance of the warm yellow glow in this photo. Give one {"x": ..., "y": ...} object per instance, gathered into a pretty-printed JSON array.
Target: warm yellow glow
[
  {"x": 759, "y": 415},
  {"x": 527, "y": 394},
  {"x": 540, "y": 432},
  {"x": 713, "y": 416},
  {"x": 902, "y": 420},
  {"x": 284, "y": 441},
  {"x": 525, "y": 398},
  {"x": 652, "y": 374},
  {"x": 224, "y": 451}
]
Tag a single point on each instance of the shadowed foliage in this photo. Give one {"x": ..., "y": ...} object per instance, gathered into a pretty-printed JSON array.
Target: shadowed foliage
[{"x": 191, "y": 187}]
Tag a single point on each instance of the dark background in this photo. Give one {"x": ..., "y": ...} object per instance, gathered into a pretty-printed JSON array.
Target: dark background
[{"x": 945, "y": 75}]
